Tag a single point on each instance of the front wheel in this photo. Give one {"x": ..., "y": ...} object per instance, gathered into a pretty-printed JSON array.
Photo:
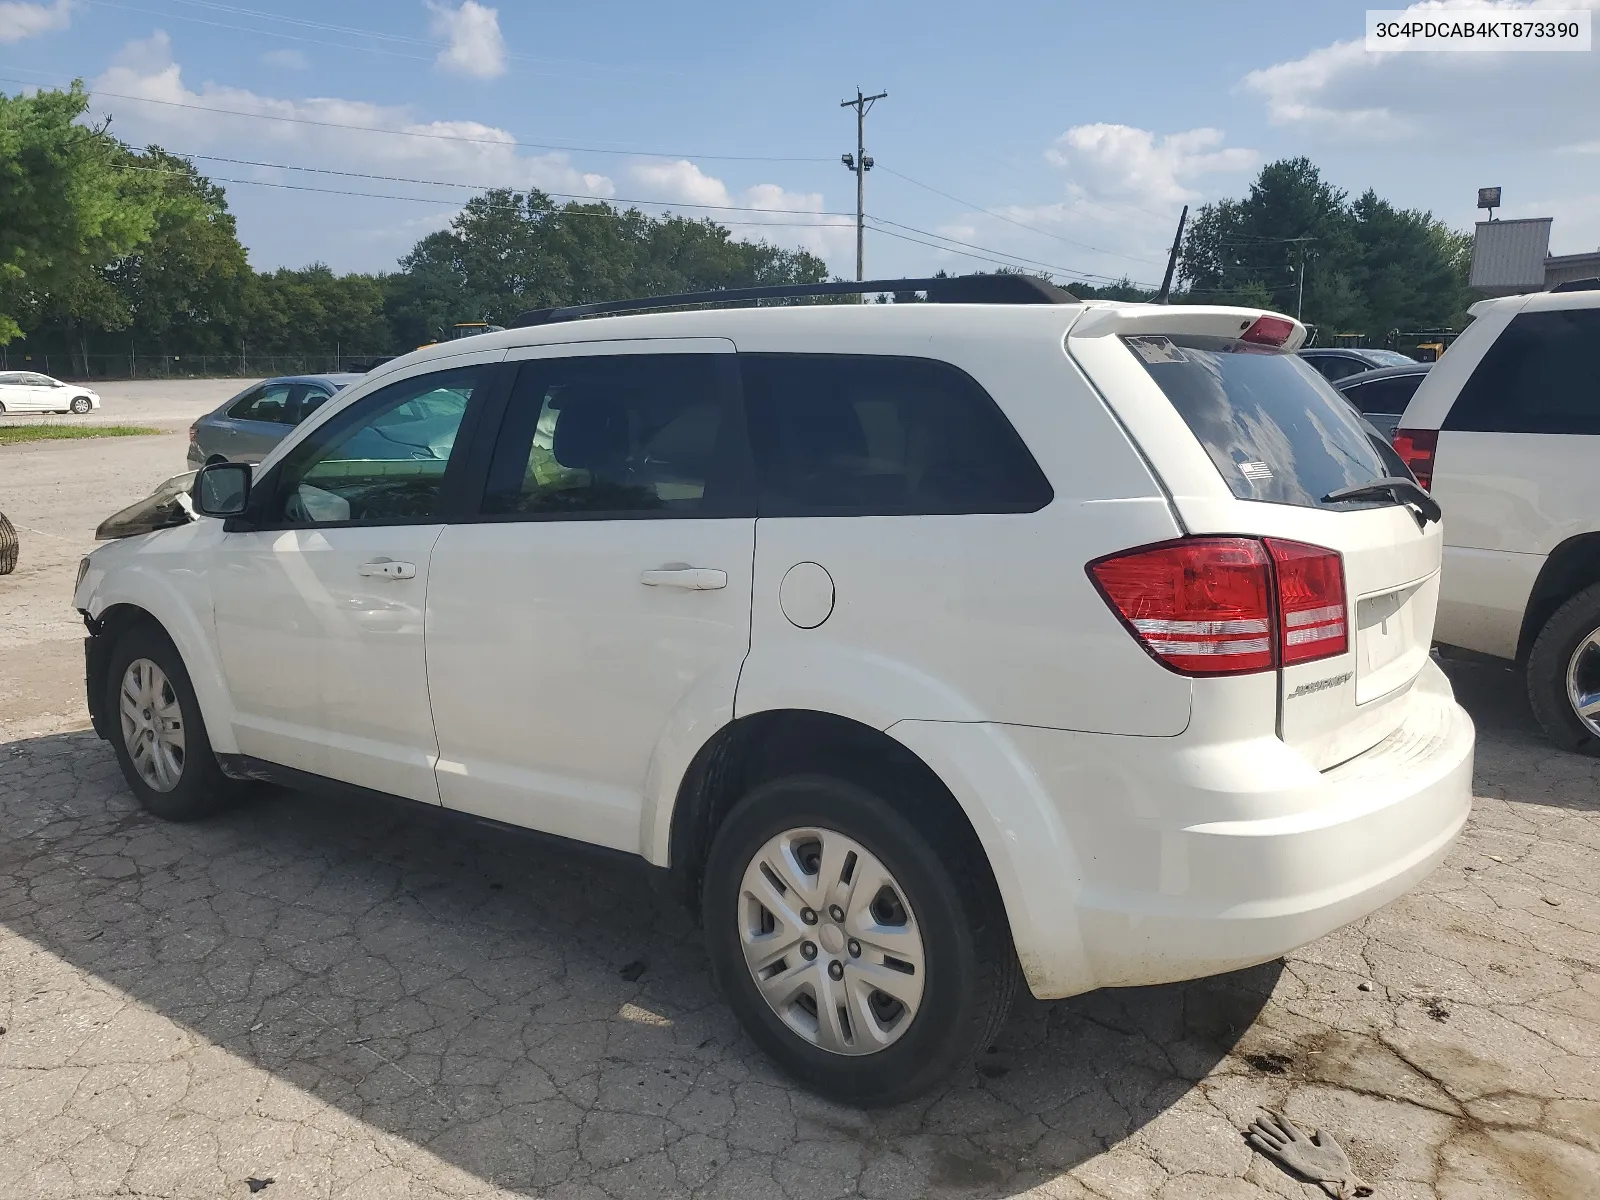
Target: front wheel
[
  {"x": 868, "y": 962},
  {"x": 159, "y": 737},
  {"x": 1564, "y": 674},
  {"x": 81, "y": 405}
]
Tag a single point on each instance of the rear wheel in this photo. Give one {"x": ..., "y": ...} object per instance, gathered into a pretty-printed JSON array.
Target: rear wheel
[
  {"x": 81, "y": 405},
  {"x": 869, "y": 961},
  {"x": 159, "y": 737},
  {"x": 1564, "y": 674}
]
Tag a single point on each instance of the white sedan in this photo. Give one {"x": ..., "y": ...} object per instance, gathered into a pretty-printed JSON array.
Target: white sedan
[{"x": 28, "y": 391}]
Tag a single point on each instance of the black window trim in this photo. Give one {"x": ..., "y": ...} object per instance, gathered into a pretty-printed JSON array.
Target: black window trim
[
  {"x": 453, "y": 495},
  {"x": 1005, "y": 429},
  {"x": 740, "y": 499}
]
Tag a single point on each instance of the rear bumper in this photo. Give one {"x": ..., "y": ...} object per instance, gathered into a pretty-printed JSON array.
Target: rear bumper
[{"x": 1296, "y": 854}]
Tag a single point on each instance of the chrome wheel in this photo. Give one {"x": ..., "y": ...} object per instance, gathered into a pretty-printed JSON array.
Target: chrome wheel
[
  {"x": 831, "y": 941},
  {"x": 152, "y": 725},
  {"x": 1583, "y": 682}
]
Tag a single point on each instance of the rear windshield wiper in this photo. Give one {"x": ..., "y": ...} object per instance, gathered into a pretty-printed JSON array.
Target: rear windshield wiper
[{"x": 1402, "y": 491}]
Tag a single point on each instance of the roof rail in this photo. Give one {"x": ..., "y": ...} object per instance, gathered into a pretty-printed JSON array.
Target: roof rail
[
  {"x": 1578, "y": 285},
  {"x": 943, "y": 289}
]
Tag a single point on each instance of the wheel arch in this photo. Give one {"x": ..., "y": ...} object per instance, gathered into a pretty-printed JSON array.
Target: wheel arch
[
  {"x": 1017, "y": 838},
  {"x": 1572, "y": 566},
  {"x": 130, "y": 596}
]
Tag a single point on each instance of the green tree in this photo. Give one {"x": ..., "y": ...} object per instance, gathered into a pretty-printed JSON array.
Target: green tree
[
  {"x": 68, "y": 210},
  {"x": 1368, "y": 267},
  {"x": 508, "y": 251},
  {"x": 186, "y": 285},
  {"x": 312, "y": 308}
]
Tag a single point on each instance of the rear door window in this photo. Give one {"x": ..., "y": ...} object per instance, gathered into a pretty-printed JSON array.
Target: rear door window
[
  {"x": 624, "y": 436},
  {"x": 1542, "y": 375},
  {"x": 1274, "y": 428},
  {"x": 270, "y": 404},
  {"x": 837, "y": 435}
]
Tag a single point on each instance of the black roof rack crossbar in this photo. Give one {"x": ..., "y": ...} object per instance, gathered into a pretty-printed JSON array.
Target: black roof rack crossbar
[
  {"x": 943, "y": 289},
  {"x": 1578, "y": 285}
]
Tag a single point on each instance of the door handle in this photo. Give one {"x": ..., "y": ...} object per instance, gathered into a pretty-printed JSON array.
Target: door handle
[
  {"x": 694, "y": 579},
  {"x": 387, "y": 568}
]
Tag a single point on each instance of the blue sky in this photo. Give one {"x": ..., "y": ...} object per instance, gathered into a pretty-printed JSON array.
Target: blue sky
[{"x": 1061, "y": 134}]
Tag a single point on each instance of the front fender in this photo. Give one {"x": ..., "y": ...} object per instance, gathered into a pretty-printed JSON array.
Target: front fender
[{"x": 157, "y": 573}]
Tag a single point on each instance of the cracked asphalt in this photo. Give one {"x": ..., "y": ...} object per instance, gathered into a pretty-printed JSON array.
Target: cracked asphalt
[{"x": 352, "y": 1000}]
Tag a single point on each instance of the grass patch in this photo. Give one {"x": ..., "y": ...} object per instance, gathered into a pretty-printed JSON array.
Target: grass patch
[{"x": 10, "y": 434}]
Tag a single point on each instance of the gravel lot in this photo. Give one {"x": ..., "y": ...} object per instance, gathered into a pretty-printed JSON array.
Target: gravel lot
[{"x": 355, "y": 1001}]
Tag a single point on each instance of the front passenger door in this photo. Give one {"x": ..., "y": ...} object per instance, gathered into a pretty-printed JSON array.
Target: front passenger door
[{"x": 319, "y": 603}]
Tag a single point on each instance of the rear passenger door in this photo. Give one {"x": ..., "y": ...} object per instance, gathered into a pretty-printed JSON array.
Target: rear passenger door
[{"x": 594, "y": 606}]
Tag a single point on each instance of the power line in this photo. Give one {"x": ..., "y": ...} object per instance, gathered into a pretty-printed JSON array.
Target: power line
[
  {"x": 359, "y": 32},
  {"x": 247, "y": 162},
  {"x": 299, "y": 187},
  {"x": 1017, "y": 258},
  {"x": 1013, "y": 221},
  {"x": 508, "y": 141}
]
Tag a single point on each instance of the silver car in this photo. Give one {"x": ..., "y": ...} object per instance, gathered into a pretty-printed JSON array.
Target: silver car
[{"x": 258, "y": 418}]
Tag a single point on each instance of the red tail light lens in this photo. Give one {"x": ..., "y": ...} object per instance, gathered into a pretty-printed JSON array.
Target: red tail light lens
[
  {"x": 1229, "y": 605},
  {"x": 1417, "y": 448},
  {"x": 1313, "y": 622},
  {"x": 1268, "y": 331},
  {"x": 1201, "y": 606}
]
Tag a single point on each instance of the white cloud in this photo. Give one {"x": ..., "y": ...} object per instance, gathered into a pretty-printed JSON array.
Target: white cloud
[
  {"x": 1343, "y": 92},
  {"x": 474, "y": 45},
  {"x": 1122, "y": 163},
  {"x": 309, "y": 132},
  {"x": 288, "y": 60},
  {"x": 22, "y": 20},
  {"x": 778, "y": 215}
]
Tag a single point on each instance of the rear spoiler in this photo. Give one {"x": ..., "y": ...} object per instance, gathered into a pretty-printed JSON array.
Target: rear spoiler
[{"x": 1118, "y": 320}]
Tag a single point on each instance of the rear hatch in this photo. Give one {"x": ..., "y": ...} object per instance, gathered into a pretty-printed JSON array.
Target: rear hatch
[{"x": 1251, "y": 441}]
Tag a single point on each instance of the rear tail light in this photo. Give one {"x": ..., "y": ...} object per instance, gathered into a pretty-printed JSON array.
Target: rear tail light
[
  {"x": 1311, "y": 605},
  {"x": 1417, "y": 448},
  {"x": 1229, "y": 605},
  {"x": 1268, "y": 331}
]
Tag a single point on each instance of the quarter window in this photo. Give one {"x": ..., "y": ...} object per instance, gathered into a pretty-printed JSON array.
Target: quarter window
[
  {"x": 1540, "y": 376},
  {"x": 384, "y": 460},
  {"x": 865, "y": 435},
  {"x": 616, "y": 435}
]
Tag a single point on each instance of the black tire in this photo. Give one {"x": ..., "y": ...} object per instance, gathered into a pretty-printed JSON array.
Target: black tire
[
  {"x": 1552, "y": 651},
  {"x": 971, "y": 968},
  {"x": 8, "y": 546},
  {"x": 201, "y": 789},
  {"x": 81, "y": 405}
]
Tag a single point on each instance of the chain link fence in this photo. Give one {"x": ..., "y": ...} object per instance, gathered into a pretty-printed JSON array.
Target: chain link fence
[{"x": 83, "y": 368}]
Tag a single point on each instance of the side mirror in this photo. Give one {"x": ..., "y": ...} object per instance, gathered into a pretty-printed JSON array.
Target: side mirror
[{"x": 222, "y": 489}]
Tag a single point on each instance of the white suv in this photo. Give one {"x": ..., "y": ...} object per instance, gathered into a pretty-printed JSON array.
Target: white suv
[
  {"x": 1505, "y": 431},
  {"x": 924, "y": 648}
]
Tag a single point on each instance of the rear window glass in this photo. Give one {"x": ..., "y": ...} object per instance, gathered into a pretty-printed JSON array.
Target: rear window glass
[{"x": 1274, "y": 428}]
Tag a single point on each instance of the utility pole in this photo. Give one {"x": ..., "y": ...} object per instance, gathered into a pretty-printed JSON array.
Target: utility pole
[
  {"x": 1164, "y": 296},
  {"x": 860, "y": 164}
]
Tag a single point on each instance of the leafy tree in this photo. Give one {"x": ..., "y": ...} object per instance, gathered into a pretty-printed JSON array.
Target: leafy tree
[
  {"x": 312, "y": 308},
  {"x": 186, "y": 284},
  {"x": 508, "y": 251},
  {"x": 68, "y": 210},
  {"x": 1369, "y": 267}
]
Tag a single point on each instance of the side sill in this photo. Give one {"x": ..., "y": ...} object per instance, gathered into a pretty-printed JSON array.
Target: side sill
[{"x": 246, "y": 767}]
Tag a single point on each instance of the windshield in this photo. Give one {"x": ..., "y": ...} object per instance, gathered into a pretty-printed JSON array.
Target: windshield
[{"x": 1274, "y": 428}]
